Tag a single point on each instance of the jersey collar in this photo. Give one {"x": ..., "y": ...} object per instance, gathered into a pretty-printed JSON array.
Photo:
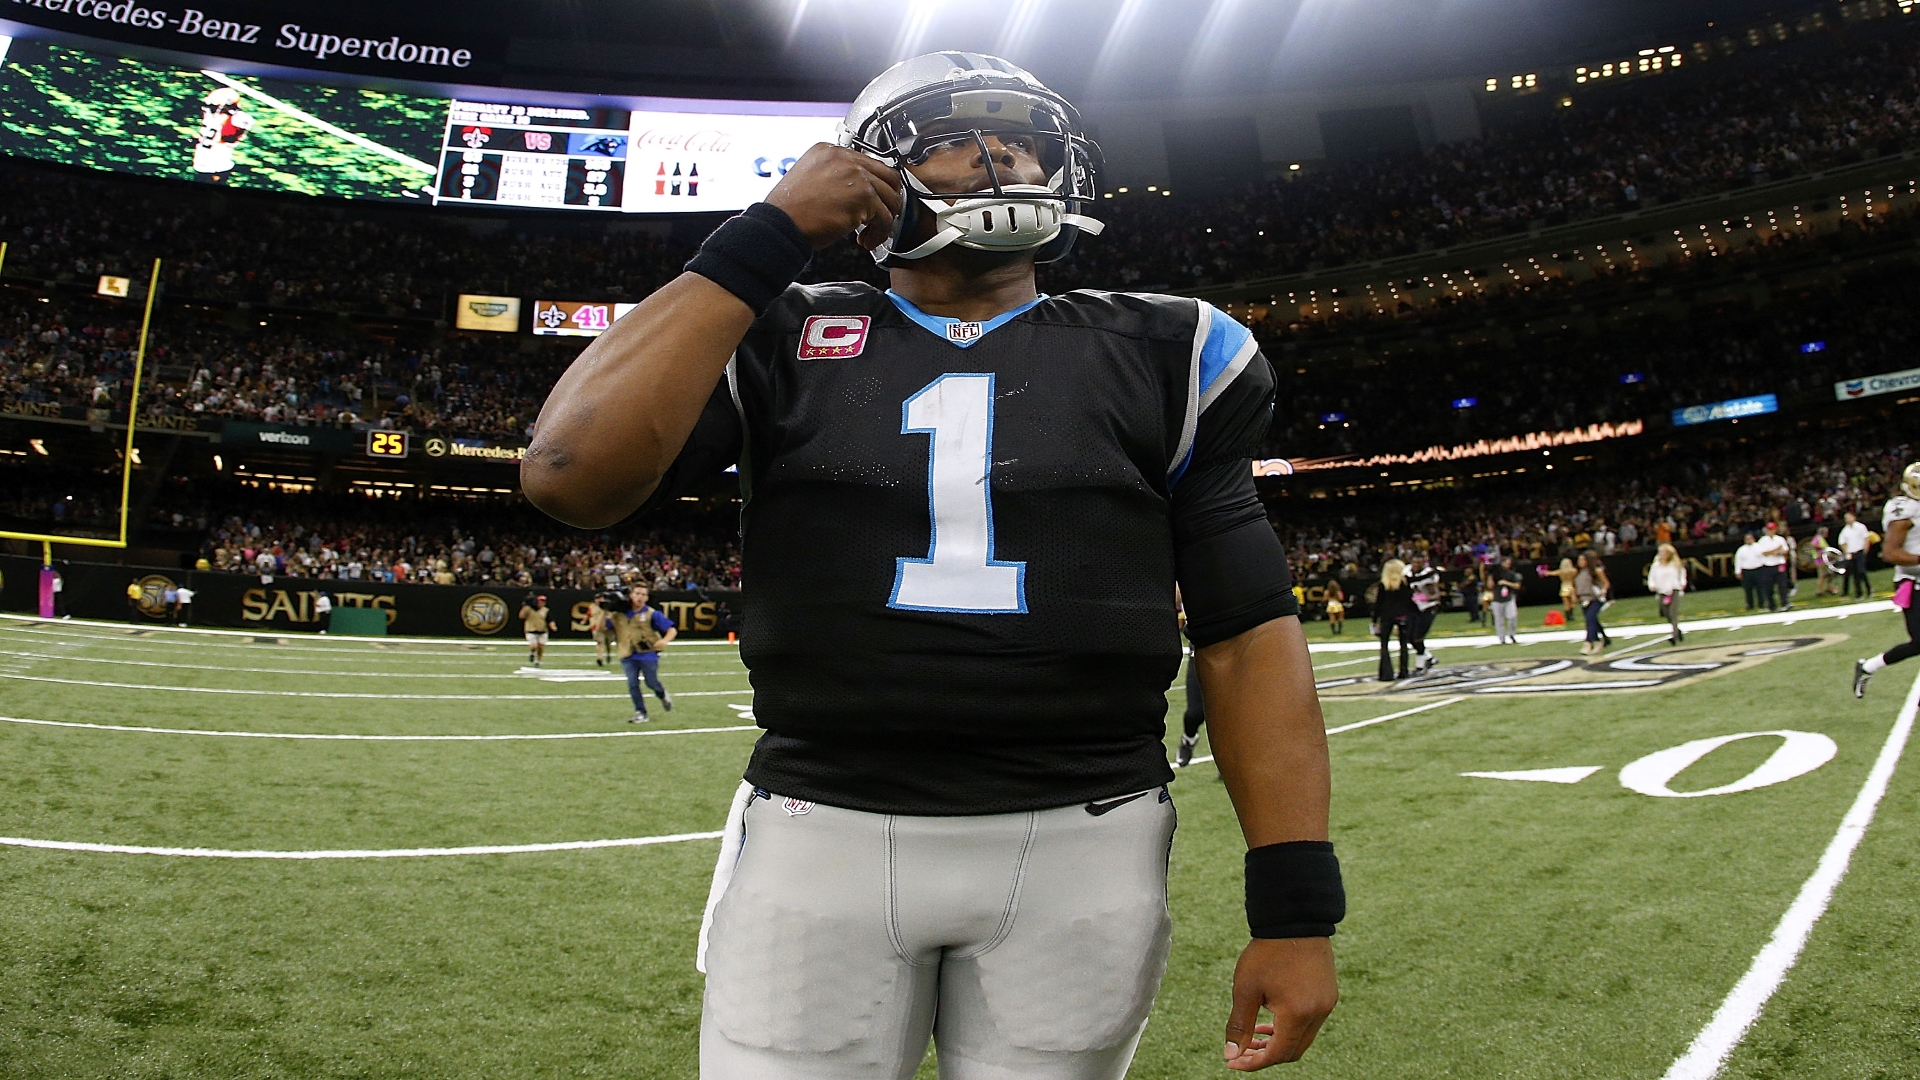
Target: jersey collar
[{"x": 953, "y": 331}]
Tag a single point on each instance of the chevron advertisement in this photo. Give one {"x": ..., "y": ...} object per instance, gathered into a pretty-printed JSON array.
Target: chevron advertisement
[{"x": 1891, "y": 382}]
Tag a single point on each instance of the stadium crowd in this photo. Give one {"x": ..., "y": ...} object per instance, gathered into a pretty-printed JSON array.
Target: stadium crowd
[
  {"x": 1700, "y": 134},
  {"x": 438, "y": 543},
  {"x": 1390, "y": 396},
  {"x": 1721, "y": 126},
  {"x": 81, "y": 353},
  {"x": 1801, "y": 482},
  {"x": 1400, "y": 396}
]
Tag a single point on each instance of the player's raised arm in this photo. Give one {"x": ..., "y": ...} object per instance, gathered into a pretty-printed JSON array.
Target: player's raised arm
[{"x": 622, "y": 411}]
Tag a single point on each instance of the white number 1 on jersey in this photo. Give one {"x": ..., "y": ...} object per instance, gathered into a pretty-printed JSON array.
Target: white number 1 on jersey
[{"x": 959, "y": 572}]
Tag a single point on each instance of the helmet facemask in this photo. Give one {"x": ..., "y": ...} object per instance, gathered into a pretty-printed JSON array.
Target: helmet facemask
[{"x": 960, "y": 116}]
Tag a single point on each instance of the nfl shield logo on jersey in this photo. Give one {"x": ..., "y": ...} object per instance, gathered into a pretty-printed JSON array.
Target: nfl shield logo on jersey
[
  {"x": 828, "y": 336},
  {"x": 796, "y": 807},
  {"x": 960, "y": 333}
]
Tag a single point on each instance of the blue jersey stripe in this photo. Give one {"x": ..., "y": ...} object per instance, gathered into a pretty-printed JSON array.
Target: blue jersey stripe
[{"x": 1226, "y": 339}]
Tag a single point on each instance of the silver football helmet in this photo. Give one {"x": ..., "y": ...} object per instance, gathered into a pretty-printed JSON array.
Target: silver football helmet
[
  {"x": 951, "y": 100},
  {"x": 1910, "y": 480}
]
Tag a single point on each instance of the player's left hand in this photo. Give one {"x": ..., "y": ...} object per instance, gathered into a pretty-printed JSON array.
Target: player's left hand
[{"x": 1293, "y": 978}]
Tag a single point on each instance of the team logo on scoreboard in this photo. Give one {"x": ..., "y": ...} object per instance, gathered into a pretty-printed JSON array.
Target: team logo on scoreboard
[
  {"x": 964, "y": 333},
  {"x": 476, "y": 137},
  {"x": 826, "y": 337},
  {"x": 483, "y": 613}
]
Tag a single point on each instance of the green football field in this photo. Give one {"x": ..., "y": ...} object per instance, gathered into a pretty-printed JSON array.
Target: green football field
[{"x": 1497, "y": 927}]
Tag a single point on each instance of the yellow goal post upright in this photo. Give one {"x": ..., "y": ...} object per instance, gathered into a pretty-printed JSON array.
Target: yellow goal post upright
[{"x": 47, "y": 540}]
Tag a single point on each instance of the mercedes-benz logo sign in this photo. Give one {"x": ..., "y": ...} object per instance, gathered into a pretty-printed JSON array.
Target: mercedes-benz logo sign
[{"x": 436, "y": 447}]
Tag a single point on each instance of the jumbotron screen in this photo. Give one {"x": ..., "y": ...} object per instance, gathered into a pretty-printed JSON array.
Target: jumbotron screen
[{"x": 422, "y": 143}]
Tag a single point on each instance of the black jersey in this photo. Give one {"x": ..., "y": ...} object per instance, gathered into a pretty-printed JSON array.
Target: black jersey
[{"x": 960, "y": 540}]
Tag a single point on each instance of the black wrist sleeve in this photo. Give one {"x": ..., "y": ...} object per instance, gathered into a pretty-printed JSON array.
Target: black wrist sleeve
[
  {"x": 1294, "y": 890},
  {"x": 754, "y": 255}
]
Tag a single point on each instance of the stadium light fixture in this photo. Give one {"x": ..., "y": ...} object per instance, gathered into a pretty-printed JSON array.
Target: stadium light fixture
[{"x": 1018, "y": 27}]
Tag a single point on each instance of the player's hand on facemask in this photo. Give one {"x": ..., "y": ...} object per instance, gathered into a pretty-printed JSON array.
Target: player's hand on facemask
[{"x": 832, "y": 191}]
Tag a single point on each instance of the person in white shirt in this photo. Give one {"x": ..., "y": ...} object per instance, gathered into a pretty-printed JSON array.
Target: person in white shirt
[
  {"x": 323, "y": 610},
  {"x": 1667, "y": 579},
  {"x": 1746, "y": 564},
  {"x": 183, "y": 605},
  {"x": 1853, "y": 544},
  {"x": 1901, "y": 548},
  {"x": 1776, "y": 555}
]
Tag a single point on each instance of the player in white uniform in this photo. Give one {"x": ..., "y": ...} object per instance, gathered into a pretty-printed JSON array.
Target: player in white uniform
[
  {"x": 1901, "y": 548},
  {"x": 223, "y": 123}
]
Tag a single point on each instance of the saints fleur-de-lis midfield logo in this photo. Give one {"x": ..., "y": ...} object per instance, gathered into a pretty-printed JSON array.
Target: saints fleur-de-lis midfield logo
[{"x": 1576, "y": 675}]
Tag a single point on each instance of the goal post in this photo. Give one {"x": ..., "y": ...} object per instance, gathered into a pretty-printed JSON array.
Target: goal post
[{"x": 47, "y": 540}]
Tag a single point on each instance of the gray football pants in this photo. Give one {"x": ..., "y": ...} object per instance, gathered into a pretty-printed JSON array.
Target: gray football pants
[
  {"x": 1506, "y": 618},
  {"x": 1025, "y": 945}
]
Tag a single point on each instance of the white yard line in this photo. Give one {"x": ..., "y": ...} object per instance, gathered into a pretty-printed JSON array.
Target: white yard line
[
  {"x": 335, "y": 130},
  {"x": 1373, "y": 721},
  {"x": 378, "y": 738},
  {"x": 347, "y": 694},
  {"x": 120, "y": 629},
  {"x": 1394, "y": 716},
  {"x": 564, "y": 674},
  {"x": 1743, "y": 1005},
  {"x": 387, "y": 853}
]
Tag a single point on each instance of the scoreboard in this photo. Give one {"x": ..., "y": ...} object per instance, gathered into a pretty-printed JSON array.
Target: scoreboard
[
  {"x": 639, "y": 160},
  {"x": 326, "y": 134},
  {"x": 553, "y": 156},
  {"x": 574, "y": 318}
]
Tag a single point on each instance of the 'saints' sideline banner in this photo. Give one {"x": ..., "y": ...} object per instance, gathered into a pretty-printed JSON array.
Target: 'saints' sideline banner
[
  {"x": 243, "y": 32},
  {"x": 1891, "y": 382},
  {"x": 290, "y": 604}
]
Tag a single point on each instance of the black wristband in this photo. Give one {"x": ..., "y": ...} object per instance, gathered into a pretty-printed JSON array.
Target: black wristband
[
  {"x": 1294, "y": 890},
  {"x": 754, "y": 255}
]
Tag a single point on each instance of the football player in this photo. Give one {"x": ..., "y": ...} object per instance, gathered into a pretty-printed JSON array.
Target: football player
[
  {"x": 1901, "y": 548},
  {"x": 965, "y": 508},
  {"x": 223, "y": 123}
]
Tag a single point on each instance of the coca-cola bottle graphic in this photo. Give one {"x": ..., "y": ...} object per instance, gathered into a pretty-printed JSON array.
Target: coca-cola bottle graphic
[
  {"x": 676, "y": 178},
  {"x": 660, "y": 180},
  {"x": 693, "y": 179}
]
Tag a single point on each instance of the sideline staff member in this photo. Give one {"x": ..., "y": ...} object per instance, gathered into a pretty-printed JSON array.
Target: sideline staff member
[
  {"x": 641, "y": 632},
  {"x": 536, "y": 620}
]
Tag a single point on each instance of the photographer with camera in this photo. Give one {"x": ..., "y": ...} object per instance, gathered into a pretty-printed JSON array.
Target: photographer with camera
[{"x": 640, "y": 631}]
